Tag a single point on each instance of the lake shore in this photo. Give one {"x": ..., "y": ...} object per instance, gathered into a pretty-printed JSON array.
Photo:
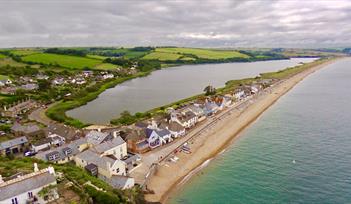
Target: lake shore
[{"x": 170, "y": 176}]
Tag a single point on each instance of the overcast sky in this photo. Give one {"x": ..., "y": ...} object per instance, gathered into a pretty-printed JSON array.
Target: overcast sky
[{"x": 192, "y": 23}]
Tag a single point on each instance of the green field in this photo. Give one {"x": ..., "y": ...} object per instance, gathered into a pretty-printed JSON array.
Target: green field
[
  {"x": 162, "y": 56},
  {"x": 204, "y": 53},
  {"x": 10, "y": 62},
  {"x": 96, "y": 57},
  {"x": 106, "y": 66},
  {"x": 72, "y": 62},
  {"x": 23, "y": 52},
  {"x": 3, "y": 77},
  {"x": 2, "y": 56}
]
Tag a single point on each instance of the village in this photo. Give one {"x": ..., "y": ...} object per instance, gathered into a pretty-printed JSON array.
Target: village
[{"x": 119, "y": 155}]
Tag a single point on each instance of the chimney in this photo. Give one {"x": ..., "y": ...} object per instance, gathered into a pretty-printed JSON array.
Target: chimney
[{"x": 36, "y": 169}]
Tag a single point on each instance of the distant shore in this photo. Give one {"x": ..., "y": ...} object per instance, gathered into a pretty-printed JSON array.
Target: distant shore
[{"x": 170, "y": 176}]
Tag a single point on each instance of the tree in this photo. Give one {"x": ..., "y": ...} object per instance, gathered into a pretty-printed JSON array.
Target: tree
[
  {"x": 43, "y": 84},
  {"x": 209, "y": 90}
]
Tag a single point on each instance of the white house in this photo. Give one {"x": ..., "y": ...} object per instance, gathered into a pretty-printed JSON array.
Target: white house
[
  {"x": 176, "y": 129},
  {"x": 239, "y": 94},
  {"x": 116, "y": 147},
  {"x": 158, "y": 137},
  {"x": 186, "y": 119},
  {"x": 25, "y": 189},
  {"x": 5, "y": 82},
  {"x": 107, "y": 165}
]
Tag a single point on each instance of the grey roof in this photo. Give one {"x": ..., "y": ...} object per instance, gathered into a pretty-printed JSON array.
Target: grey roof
[
  {"x": 74, "y": 145},
  {"x": 92, "y": 157},
  {"x": 172, "y": 126},
  {"x": 116, "y": 181},
  {"x": 162, "y": 132},
  {"x": 13, "y": 142},
  {"x": 95, "y": 137},
  {"x": 27, "y": 129},
  {"x": 109, "y": 144},
  {"x": 26, "y": 184}
]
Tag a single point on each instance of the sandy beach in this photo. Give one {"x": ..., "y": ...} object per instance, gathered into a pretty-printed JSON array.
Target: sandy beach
[{"x": 169, "y": 176}]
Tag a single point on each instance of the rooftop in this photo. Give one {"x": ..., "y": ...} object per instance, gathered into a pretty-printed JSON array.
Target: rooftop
[
  {"x": 26, "y": 183},
  {"x": 13, "y": 142},
  {"x": 109, "y": 145}
]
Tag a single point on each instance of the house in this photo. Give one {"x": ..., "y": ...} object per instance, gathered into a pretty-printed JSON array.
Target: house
[
  {"x": 222, "y": 102},
  {"x": 137, "y": 141},
  {"x": 176, "y": 129},
  {"x": 96, "y": 137},
  {"x": 42, "y": 77},
  {"x": 87, "y": 73},
  {"x": 19, "y": 108},
  {"x": 56, "y": 139},
  {"x": 158, "y": 137},
  {"x": 116, "y": 147},
  {"x": 29, "y": 130},
  {"x": 107, "y": 76},
  {"x": 58, "y": 81},
  {"x": 198, "y": 111},
  {"x": 120, "y": 182},
  {"x": 30, "y": 87},
  {"x": 13, "y": 146},
  {"x": 239, "y": 94},
  {"x": 186, "y": 119},
  {"x": 210, "y": 108},
  {"x": 255, "y": 88},
  {"x": 46, "y": 143},
  {"x": 43, "y": 144},
  {"x": 107, "y": 165},
  {"x": 5, "y": 82},
  {"x": 64, "y": 153},
  {"x": 26, "y": 188}
]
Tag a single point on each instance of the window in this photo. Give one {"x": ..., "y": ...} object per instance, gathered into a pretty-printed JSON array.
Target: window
[
  {"x": 117, "y": 170},
  {"x": 30, "y": 194},
  {"x": 14, "y": 201}
]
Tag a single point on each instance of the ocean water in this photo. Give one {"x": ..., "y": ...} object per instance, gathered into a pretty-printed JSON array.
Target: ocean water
[{"x": 298, "y": 151}]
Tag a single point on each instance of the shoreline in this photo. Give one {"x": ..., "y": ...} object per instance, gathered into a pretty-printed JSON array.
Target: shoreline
[{"x": 170, "y": 177}]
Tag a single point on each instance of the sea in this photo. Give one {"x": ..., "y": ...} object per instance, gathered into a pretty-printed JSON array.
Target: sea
[{"x": 298, "y": 151}]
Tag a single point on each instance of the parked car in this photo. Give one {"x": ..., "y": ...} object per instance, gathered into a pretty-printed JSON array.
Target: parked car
[{"x": 29, "y": 153}]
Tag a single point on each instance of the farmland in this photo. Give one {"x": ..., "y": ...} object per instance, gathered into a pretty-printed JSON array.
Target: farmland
[
  {"x": 2, "y": 56},
  {"x": 204, "y": 53},
  {"x": 62, "y": 60},
  {"x": 66, "y": 61},
  {"x": 162, "y": 56},
  {"x": 24, "y": 52}
]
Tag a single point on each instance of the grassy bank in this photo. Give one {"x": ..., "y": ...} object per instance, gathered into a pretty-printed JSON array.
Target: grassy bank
[
  {"x": 78, "y": 177},
  {"x": 58, "y": 111},
  {"x": 229, "y": 87}
]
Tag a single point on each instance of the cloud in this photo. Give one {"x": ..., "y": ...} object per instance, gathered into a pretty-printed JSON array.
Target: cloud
[{"x": 206, "y": 23}]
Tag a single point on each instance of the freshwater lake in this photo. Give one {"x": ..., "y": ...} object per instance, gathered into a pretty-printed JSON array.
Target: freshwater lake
[{"x": 168, "y": 85}]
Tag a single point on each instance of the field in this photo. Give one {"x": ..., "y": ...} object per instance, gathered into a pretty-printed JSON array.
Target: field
[
  {"x": 10, "y": 62},
  {"x": 23, "y": 52},
  {"x": 2, "y": 56},
  {"x": 72, "y": 62},
  {"x": 162, "y": 56},
  {"x": 106, "y": 66},
  {"x": 204, "y": 53},
  {"x": 127, "y": 53},
  {"x": 3, "y": 77}
]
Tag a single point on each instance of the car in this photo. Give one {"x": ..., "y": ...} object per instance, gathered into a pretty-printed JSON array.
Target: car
[{"x": 29, "y": 153}]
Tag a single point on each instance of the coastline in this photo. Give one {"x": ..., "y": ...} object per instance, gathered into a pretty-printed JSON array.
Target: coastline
[{"x": 170, "y": 176}]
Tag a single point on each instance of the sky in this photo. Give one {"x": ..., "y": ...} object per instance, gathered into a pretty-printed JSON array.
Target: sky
[{"x": 188, "y": 23}]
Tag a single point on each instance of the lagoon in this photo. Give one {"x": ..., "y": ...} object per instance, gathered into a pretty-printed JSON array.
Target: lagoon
[{"x": 168, "y": 85}]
